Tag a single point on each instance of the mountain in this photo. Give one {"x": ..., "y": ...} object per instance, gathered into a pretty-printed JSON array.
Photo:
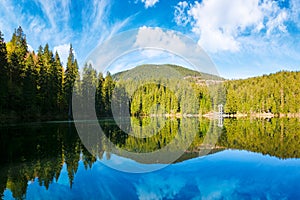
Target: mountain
[{"x": 152, "y": 71}]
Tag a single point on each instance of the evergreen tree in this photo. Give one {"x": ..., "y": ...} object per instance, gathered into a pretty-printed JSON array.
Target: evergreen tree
[
  {"x": 55, "y": 77},
  {"x": 58, "y": 75},
  {"x": 89, "y": 83},
  {"x": 29, "y": 86},
  {"x": 275, "y": 93},
  {"x": 46, "y": 89},
  {"x": 3, "y": 74},
  {"x": 17, "y": 52},
  {"x": 99, "y": 96},
  {"x": 107, "y": 89},
  {"x": 71, "y": 75}
]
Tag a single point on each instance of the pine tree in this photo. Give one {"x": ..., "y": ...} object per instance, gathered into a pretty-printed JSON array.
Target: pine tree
[
  {"x": 89, "y": 83},
  {"x": 99, "y": 96},
  {"x": 46, "y": 89},
  {"x": 107, "y": 90},
  {"x": 231, "y": 102},
  {"x": 3, "y": 74},
  {"x": 71, "y": 75},
  {"x": 17, "y": 52},
  {"x": 58, "y": 73},
  {"x": 29, "y": 86}
]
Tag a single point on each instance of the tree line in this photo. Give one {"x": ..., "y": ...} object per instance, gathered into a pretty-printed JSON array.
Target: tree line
[
  {"x": 36, "y": 85},
  {"x": 162, "y": 89},
  {"x": 277, "y": 93}
]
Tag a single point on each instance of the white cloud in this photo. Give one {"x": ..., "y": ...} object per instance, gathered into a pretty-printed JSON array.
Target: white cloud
[
  {"x": 29, "y": 47},
  {"x": 295, "y": 9},
  {"x": 277, "y": 22},
  {"x": 180, "y": 13},
  {"x": 54, "y": 25},
  {"x": 220, "y": 24},
  {"x": 149, "y": 3},
  {"x": 154, "y": 45},
  {"x": 50, "y": 25},
  {"x": 174, "y": 43},
  {"x": 157, "y": 37},
  {"x": 10, "y": 21},
  {"x": 55, "y": 11},
  {"x": 96, "y": 26},
  {"x": 63, "y": 52},
  {"x": 157, "y": 187}
]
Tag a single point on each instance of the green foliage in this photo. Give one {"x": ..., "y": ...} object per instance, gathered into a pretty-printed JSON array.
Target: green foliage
[
  {"x": 3, "y": 74},
  {"x": 71, "y": 75},
  {"x": 58, "y": 78},
  {"x": 276, "y": 137},
  {"x": 31, "y": 84},
  {"x": 107, "y": 91},
  {"x": 16, "y": 54},
  {"x": 88, "y": 86},
  {"x": 275, "y": 93},
  {"x": 99, "y": 99},
  {"x": 146, "y": 71},
  {"x": 43, "y": 149},
  {"x": 165, "y": 89},
  {"x": 35, "y": 85}
]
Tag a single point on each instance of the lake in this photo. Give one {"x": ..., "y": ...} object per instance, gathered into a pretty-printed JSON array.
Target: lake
[{"x": 231, "y": 159}]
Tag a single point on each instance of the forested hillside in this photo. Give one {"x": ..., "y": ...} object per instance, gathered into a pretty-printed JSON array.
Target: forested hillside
[
  {"x": 146, "y": 71},
  {"x": 275, "y": 93},
  {"x": 165, "y": 89}
]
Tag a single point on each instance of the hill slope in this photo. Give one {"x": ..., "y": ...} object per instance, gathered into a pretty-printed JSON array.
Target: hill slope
[{"x": 150, "y": 71}]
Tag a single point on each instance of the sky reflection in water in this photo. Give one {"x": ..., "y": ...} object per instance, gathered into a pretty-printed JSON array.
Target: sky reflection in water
[{"x": 230, "y": 174}]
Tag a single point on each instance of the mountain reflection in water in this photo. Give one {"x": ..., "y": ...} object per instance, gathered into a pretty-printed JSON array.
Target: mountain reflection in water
[{"x": 48, "y": 160}]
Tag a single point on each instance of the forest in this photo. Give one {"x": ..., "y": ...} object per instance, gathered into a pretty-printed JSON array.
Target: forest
[
  {"x": 277, "y": 93},
  {"x": 36, "y": 86}
]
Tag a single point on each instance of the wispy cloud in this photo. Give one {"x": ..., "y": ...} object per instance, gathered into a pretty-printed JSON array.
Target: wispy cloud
[
  {"x": 54, "y": 22},
  {"x": 295, "y": 7},
  {"x": 158, "y": 187},
  {"x": 9, "y": 22},
  {"x": 181, "y": 18},
  {"x": 96, "y": 26},
  {"x": 149, "y": 3},
  {"x": 63, "y": 51}
]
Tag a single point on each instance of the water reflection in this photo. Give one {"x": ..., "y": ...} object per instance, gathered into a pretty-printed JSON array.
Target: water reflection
[
  {"x": 49, "y": 159},
  {"x": 275, "y": 137},
  {"x": 243, "y": 175}
]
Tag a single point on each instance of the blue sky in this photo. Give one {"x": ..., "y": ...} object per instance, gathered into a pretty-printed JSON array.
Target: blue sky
[{"x": 242, "y": 37}]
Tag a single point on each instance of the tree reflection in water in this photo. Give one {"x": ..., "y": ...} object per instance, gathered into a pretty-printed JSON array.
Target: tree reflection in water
[{"x": 38, "y": 152}]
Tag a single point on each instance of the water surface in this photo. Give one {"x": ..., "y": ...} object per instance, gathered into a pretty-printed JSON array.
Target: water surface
[{"x": 252, "y": 159}]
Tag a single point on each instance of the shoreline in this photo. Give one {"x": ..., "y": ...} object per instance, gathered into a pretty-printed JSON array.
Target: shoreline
[
  {"x": 11, "y": 118},
  {"x": 254, "y": 115},
  {"x": 214, "y": 115}
]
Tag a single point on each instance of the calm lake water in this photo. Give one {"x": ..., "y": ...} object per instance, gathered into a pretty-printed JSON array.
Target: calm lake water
[{"x": 247, "y": 159}]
